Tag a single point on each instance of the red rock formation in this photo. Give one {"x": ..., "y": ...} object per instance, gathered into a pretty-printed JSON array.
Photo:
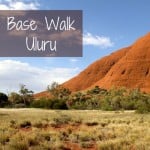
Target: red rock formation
[
  {"x": 95, "y": 71},
  {"x": 128, "y": 67},
  {"x": 42, "y": 94}
]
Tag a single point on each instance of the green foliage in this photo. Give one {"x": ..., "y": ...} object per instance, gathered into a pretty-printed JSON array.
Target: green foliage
[
  {"x": 106, "y": 104},
  {"x": 143, "y": 105},
  {"x": 97, "y": 98},
  {"x": 15, "y": 98},
  {"x": 83, "y": 101},
  {"x": 58, "y": 91},
  {"x": 52, "y": 88},
  {"x": 59, "y": 104},
  {"x": 97, "y": 90},
  {"x": 49, "y": 103},
  {"x": 27, "y": 95},
  {"x": 3, "y": 99},
  {"x": 113, "y": 99},
  {"x": 42, "y": 103},
  {"x": 21, "y": 99}
]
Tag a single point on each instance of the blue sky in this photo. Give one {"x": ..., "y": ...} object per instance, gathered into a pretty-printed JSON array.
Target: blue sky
[{"x": 117, "y": 22}]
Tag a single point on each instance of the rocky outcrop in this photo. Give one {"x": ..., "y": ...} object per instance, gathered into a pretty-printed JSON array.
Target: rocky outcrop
[{"x": 128, "y": 67}]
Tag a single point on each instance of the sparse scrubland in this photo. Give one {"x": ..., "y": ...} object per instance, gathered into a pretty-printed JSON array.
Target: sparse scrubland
[
  {"x": 96, "y": 119},
  {"x": 38, "y": 129}
]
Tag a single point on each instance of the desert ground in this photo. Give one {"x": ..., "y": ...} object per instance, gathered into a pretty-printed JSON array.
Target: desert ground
[{"x": 38, "y": 129}]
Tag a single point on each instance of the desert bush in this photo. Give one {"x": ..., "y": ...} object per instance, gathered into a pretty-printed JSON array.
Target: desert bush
[
  {"x": 83, "y": 101},
  {"x": 33, "y": 141},
  {"x": 93, "y": 123},
  {"x": 58, "y": 91},
  {"x": 25, "y": 124},
  {"x": 42, "y": 103},
  {"x": 49, "y": 103},
  {"x": 38, "y": 125},
  {"x": 106, "y": 103},
  {"x": 59, "y": 104},
  {"x": 15, "y": 98},
  {"x": 112, "y": 100},
  {"x": 63, "y": 119},
  {"x": 121, "y": 99},
  {"x": 13, "y": 124},
  {"x": 45, "y": 136},
  {"x": 97, "y": 90},
  {"x": 143, "y": 105}
]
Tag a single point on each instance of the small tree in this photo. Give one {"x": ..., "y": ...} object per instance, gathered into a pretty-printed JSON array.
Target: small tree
[
  {"x": 58, "y": 91},
  {"x": 27, "y": 95},
  {"x": 15, "y": 98},
  {"x": 53, "y": 89}
]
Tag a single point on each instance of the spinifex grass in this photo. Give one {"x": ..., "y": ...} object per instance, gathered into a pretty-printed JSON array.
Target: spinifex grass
[{"x": 37, "y": 129}]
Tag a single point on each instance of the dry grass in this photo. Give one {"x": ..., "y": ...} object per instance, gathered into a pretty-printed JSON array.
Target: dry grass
[{"x": 37, "y": 129}]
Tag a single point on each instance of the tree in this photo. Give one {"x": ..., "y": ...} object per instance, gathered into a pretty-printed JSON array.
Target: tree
[
  {"x": 15, "y": 98},
  {"x": 58, "y": 91},
  {"x": 52, "y": 89},
  {"x": 3, "y": 99},
  {"x": 27, "y": 95}
]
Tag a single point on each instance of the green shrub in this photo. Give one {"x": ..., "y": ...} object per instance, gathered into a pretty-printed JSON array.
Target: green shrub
[
  {"x": 59, "y": 104},
  {"x": 143, "y": 105},
  {"x": 42, "y": 103},
  {"x": 83, "y": 101},
  {"x": 21, "y": 105},
  {"x": 49, "y": 103},
  {"x": 15, "y": 98}
]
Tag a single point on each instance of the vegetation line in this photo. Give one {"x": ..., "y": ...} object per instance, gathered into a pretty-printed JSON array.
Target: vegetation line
[{"x": 93, "y": 99}]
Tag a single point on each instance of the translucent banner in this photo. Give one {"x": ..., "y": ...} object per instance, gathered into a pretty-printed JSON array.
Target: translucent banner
[{"x": 44, "y": 33}]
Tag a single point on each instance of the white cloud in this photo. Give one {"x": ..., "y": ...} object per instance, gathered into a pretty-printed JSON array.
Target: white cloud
[
  {"x": 3, "y": 7},
  {"x": 100, "y": 41},
  {"x": 13, "y": 73},
  {"x": 73, "y": 60},
  {"x": 18, "y": 5}
]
